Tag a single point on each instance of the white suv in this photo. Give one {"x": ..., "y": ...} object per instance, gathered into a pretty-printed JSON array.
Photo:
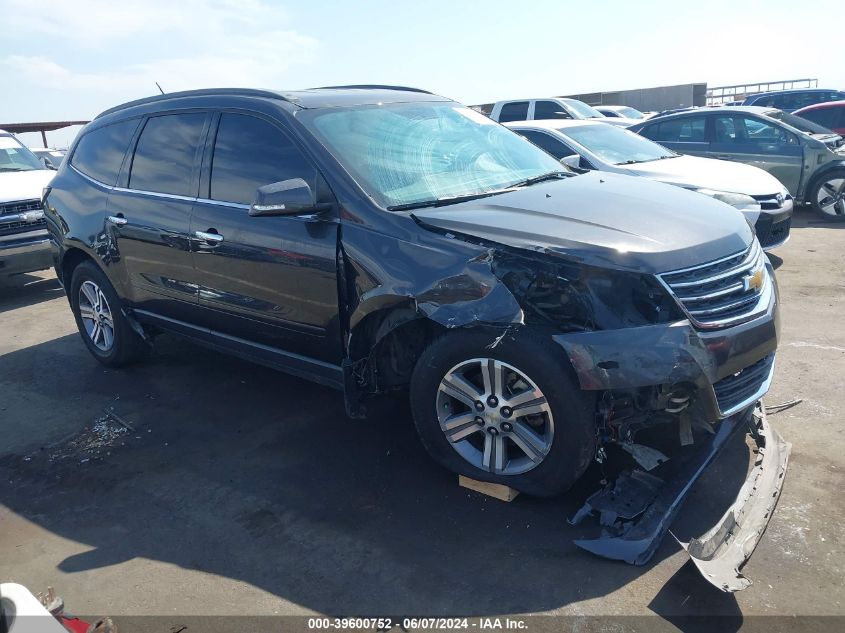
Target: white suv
[{"x": 24, "y": 242}]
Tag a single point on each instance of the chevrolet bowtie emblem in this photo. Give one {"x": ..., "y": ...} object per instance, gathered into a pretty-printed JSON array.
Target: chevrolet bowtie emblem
[{"x": 754, "y": 281}]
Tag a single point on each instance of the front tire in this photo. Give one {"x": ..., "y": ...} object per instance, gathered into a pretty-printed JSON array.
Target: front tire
[
  {"x": 827, "y": 196},
  {"x": 99, "y": 316},
  {"x": 511, "y": 413}
]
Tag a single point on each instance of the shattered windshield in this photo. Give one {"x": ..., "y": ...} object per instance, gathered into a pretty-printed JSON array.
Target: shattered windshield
[
  {"x": 16, "y": 157},
  {"x": 415, "y": 153}
]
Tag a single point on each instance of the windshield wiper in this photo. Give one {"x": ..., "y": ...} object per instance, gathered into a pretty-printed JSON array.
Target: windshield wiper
[
  {"x": 446, "y": 200},
  {"x": 645, "y": 160},
  {"x": 13, "y": 169},
  {"x": 553, "y": 175}
]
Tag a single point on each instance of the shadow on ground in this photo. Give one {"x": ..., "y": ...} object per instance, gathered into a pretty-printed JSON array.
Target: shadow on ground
[
  {"x": 24, "y": 290},
  {"x": 242, "y": 472}
]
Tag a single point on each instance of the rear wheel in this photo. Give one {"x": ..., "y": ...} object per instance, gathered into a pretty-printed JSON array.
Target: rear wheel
[
  {"x": 827, "y": 195},
  {"x": 512, "y": 414},
  {"x": 105, "y": 330}
]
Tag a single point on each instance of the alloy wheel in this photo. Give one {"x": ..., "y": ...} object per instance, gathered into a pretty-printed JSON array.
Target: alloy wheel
[
  {"x": 831, "y": 197},
  {"x": 495, "y": 416},
  {"x": 96, "y": 315}
]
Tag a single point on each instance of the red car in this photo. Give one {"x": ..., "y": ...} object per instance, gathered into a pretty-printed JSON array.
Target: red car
[{"x": 830, "y": 115}]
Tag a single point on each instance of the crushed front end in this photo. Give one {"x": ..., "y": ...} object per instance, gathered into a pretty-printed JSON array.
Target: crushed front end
[{"x": 698, "y": 377}]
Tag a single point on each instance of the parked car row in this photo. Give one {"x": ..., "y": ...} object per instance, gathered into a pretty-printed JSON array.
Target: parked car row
[
  {"x": 808, "y": 159},
  {"x": 804, "y": 153}
]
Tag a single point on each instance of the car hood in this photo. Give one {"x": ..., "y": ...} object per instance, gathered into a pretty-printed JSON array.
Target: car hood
[
  {"x": 23, "y": 185},
  {"x": 709, "y": 173},
  {"x": 603, "y": 219}
]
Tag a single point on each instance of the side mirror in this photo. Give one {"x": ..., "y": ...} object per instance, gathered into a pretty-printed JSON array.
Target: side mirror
[
  {"x": 287, "y": 197},
  {"x": 573, "y": 162},
  {"x": 47, "y": 164}
]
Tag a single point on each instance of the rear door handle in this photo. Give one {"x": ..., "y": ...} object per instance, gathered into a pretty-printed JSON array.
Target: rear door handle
[
  {"x": 117, "y": 220},
  {"x": 211, "y": 238}
]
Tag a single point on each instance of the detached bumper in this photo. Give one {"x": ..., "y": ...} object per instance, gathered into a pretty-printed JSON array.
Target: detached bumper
[{"x": 722, "y": 551}]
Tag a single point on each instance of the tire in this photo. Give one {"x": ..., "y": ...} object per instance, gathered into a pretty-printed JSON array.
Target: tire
[
  {"x": 543, "y": 464},
  {"x": 89, "y": 288},
  {"x": 827, "y": 195}
]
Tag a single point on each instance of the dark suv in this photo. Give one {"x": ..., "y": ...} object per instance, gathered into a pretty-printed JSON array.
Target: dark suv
[{"x": 374, "y": 239}]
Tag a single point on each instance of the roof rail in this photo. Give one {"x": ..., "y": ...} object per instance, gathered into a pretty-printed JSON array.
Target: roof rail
[
  {"x": 246, "y": 92},
  {"x": 373, "y": 87}
]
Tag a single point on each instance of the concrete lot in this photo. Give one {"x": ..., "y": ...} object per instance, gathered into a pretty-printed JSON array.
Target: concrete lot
[{"x": 242, "y": 491}]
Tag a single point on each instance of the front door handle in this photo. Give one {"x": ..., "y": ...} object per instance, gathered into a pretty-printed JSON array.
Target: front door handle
[
  {"x": 211, "y": 236},
  {"x": 117, "y": 220}
]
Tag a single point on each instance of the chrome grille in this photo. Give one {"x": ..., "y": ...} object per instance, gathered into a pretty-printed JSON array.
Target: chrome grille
[
  {"x": 723, "y": 292},
  {"x": 20, "y": 206},
  {"x": 772, "y": 202}
]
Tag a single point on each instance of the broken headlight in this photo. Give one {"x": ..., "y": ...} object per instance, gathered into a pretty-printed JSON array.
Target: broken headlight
[{"x": 575, "y": 297}]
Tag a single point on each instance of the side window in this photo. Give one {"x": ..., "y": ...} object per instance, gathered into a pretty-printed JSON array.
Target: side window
[
  {"x": 250, "y": 152},
  {"x": 166, "y": 154},
  {"x": 744, "y": 130},
  {"x": 556, "y": 148},
  {"x": 681, "y": 130},
  {"x": 517, "y": 111},
  {"x": 550, "y": 110},
  {"x": 99, "y": 153}
]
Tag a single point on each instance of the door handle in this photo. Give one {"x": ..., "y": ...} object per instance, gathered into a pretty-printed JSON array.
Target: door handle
[
  {"x": 724, "y": 156},
  {"x": 211, "y": 236},
  {"x": 117, "y": 220}
]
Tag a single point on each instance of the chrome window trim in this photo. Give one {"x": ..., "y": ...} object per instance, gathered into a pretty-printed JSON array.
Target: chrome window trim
[{"x": 158, "y": 194}]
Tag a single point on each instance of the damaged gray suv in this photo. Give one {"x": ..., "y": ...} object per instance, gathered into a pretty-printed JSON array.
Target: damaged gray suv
[{"x": 374, "y": 238}]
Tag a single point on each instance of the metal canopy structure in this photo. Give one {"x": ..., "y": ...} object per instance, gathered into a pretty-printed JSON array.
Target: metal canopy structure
[{"x": 39, "y": 126}]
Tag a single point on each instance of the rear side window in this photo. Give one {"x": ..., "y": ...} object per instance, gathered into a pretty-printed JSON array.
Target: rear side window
[
  {"x": 556, "y": 148},
  {"x": 99, "y": 153},
  {"x": 166, "y": 154},
  {"x": 517, "y": 111},
  {"x": 682, "y": 130},
  {"x": 250, "y": 152},
  {"x": 550, "y": 110}
]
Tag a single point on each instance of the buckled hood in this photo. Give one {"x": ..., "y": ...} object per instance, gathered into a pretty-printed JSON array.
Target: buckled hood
[{"x": 603, "y": 219}]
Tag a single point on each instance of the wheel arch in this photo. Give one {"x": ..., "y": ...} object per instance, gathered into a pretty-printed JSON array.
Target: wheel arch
[
  {"x": 821, "y": 172},
  {"x": 385, "y": 345}
]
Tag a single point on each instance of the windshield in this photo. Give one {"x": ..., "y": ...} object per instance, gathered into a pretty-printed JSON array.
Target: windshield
[
  {"x": 413, "y": 153},
  {"x": 631, "y": 113},
  {"x": 583, "y": 110},
  {"x": 16, "y": 157},
  {"x": 615, "y": 145},
  {"x": 798, "y": 122}
]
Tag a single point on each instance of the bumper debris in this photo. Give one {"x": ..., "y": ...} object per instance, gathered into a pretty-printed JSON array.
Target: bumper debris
[{"x": 723, "y": 550}]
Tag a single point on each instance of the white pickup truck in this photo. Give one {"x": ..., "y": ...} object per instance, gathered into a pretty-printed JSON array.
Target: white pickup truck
[
  {"x": 24, "y": 242},
  {"x": 551, "y": 108}
]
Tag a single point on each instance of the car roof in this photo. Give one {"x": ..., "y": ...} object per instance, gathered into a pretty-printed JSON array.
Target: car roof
[
  {"x": 821, "y": 106},
  {"x": 554, "y": 124},
  {"x": 790, "y": 91},
  {"x": 325, "y": 97},
  {"x": 709, "y": 109}
]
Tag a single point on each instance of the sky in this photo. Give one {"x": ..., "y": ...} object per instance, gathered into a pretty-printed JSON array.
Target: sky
[{"x": 71, "y": 59}]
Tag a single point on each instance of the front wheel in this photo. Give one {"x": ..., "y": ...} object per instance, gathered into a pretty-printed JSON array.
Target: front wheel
[
  {"x": 827, "y": 195},
  {"x": 510, "y": 413}
]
